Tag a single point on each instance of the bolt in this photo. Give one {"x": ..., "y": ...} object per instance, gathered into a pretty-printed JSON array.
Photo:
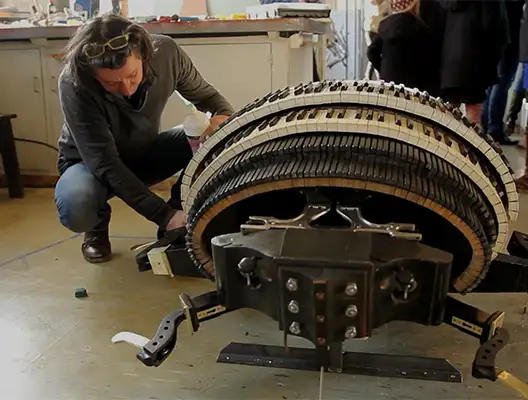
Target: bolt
[
  {"x": 293, "y": 307},
  {"x": 351, "y": 289},
  {"x": 321, "y": 341},
  {"x": 351, "y": 332},
  {"x": 320, "y": 295},
  {"x": 295, "y": 328},
  {"x": 351, "y": 311},
  {"x": 291, "y": 285},
  {"x": 320, "y": 318}
]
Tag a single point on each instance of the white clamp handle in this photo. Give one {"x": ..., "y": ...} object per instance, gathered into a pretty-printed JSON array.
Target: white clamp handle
[{"x": 131, "y": 338}]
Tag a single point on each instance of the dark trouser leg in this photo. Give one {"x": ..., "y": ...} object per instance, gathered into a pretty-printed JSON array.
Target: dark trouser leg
[
  {"x": 485, "y": 110},
  {"x": 497, "y": 98},
  {"x": 516, "y": 103},
  {"x": 513, "y": 112},
  {"x": 169, "y": 154}
]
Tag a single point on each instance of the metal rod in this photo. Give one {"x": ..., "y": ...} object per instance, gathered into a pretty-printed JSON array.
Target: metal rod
[
  {"x": 321, "y": 375},
  {"x": 347, "y": 40}
]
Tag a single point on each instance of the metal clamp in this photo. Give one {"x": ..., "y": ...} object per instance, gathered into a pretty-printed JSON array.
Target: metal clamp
[
  {"x": 360, "y": 224},
  {"x": 312, "y": 213},
  {"x": 160, "y": 346},
  {"x": 303, "y": 221}
]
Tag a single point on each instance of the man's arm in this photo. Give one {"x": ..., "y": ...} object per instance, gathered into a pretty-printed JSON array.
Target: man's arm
[
  {"x": 86, "y": 123},
  {"x": 192, "y": 86}
]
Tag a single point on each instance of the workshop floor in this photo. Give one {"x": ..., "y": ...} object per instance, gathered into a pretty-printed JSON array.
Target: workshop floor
[{"x": 57, "y": 347}]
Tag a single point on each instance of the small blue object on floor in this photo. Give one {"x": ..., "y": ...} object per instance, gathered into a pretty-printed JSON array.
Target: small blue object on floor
[{"x": 80, "y": 293}]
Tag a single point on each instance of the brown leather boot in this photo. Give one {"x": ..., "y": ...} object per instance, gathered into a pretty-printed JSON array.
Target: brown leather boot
[{"x": 96, "y": 247}]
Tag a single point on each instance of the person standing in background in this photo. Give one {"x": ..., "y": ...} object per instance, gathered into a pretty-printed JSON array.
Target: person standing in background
[
  {"x": 522, "y": 181},
  {"x": 407, "y": 48},
  {"x": 494, "y": 107},
  {"x": 476, "y": 35},
  {"x": 373, "y": 15}
]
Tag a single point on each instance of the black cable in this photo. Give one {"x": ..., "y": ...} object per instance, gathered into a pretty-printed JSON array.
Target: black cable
[{"x": 37, "y": 142}]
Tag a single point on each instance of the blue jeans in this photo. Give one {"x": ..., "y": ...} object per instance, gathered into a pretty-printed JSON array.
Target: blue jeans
[
  {"x": 82, "y": 200},
  {"x": 494, "y": 107}
]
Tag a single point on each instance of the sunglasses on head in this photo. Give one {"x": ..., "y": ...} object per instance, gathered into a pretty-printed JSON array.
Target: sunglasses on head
[{"x": 95, "y": 50}]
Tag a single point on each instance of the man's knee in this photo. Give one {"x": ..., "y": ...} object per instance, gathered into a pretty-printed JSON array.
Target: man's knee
[{"x": 79, "y": 200}]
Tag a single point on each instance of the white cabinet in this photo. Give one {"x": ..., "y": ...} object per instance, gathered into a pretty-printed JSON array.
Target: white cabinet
[
  {"x": 244, "y": 68},
  {"x": 241, "y": 68},
  {"x": 240, "y": 71},
  {"x": 51, "y": 66},
  {"x": 22, "y": 93}
]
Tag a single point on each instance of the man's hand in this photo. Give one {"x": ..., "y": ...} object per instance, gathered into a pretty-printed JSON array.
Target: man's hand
[
  {"x": 177, "y": 221},
  {"x": 214, "y": 122}
]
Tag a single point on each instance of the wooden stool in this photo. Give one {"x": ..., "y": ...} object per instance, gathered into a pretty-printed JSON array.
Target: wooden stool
[{"x": 9, "y": 157}]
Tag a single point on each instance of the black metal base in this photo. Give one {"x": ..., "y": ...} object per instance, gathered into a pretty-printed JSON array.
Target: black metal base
[
  {"x": 370, "y": 364},
  {"x": 183, "y": 266},
  {"x": 179, "y": 260},
  {"x": 507, "y": 273}
]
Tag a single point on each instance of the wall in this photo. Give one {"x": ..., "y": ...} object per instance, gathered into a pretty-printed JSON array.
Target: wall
[{"x": 347, "y": 58}]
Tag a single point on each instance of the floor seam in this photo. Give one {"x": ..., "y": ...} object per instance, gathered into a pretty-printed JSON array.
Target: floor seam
[
  {"x": 51, "y": 245},
  {"x": 30, "y": 253}
]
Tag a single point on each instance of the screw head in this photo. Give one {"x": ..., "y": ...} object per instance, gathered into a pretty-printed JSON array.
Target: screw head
[
  {"x": 321, "y": 341},
  {"x": 246, "y": 264},
  {"x": 293, "y": 307},
  {"x": 320, "y": 318},
  {"x": 351, "y": 289},
  {"x": 292, "y": 285},
  {"x": 351, "y": 332},
  {"x": 351, "y": 311},
  {"x": 295, "y": 328},
  {"x": 320, "y": 295}
]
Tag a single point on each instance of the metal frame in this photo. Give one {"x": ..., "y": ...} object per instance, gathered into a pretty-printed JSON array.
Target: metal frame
[{"x": 508, "y": 273}]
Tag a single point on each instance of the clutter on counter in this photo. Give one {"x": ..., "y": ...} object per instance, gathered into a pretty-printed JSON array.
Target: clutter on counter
[
  {"x": 79, "y": 11},
  {"x": 288, "y": 10}
]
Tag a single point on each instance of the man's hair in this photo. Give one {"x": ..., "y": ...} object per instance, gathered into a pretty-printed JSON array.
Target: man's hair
[{"x": 100, "y": 30}]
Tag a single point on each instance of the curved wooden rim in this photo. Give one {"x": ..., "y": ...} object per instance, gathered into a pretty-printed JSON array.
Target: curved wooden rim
[{"x": 463, "y": 283}]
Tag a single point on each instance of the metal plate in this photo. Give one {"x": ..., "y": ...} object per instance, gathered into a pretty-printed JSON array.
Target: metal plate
[{"x": 371, "y": 364}]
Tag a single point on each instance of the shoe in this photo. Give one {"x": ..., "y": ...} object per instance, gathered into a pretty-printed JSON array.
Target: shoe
[
  {"x": 506, "y": 141},
  {"x": 510, "y": 127},
  {"x": 510, "y": 130},
  {"x": 96, "y": 247},
  {"x": 513, "y": 112}
]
